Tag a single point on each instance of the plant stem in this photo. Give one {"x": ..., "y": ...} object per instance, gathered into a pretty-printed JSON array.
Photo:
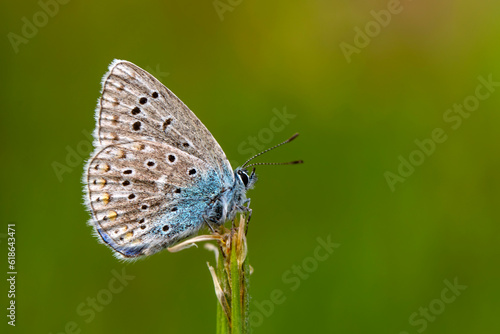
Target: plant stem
[
  {"x": 231, "y": 281},
  {"x": 231, "y": 278},
  {"x": 236, "y": 301}
]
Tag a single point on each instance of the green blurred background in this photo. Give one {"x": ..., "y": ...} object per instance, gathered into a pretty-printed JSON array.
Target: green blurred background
[{"x": 237, "y": 67}]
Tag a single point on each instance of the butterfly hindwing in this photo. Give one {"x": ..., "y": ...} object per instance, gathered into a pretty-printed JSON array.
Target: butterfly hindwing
[{"x": 145, "y": 196}]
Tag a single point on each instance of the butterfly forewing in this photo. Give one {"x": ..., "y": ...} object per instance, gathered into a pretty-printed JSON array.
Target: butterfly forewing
[{"x": 136, "y": 106}]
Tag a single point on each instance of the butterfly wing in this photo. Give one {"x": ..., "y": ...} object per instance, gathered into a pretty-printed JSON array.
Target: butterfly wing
[
  {"x": 145, "y": 196},
  {"x": 136, "y": 106},
  {"x": 155, "y": 169}
]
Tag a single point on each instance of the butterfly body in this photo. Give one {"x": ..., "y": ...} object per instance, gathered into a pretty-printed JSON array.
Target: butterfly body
[{"x": 157, "y": 175}]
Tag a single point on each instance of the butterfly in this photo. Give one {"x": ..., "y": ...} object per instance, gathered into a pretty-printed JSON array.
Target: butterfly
[{"x": 157, "y": 175}]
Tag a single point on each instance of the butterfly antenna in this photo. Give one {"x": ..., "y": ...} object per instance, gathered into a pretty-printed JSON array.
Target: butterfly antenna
[
  {"x": 277, "y": 163},
  {"x": 270, "y": 149}
]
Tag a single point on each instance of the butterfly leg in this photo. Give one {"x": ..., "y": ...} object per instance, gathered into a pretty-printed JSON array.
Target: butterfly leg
[
  {"x": 208, "y": 224},
  {"x": 213, "y": 231},
  {"x": 246, "y": 211}
]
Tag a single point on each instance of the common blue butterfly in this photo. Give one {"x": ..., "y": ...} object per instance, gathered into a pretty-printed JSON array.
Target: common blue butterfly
[{"x": 157, "y": 175}]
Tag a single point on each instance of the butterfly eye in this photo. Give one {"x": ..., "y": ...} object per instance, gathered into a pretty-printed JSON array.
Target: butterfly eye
[{"x": 244, "y": 177}]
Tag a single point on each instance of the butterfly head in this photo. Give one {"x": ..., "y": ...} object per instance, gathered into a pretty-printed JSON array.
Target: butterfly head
[{"x": 244, "y": 179}]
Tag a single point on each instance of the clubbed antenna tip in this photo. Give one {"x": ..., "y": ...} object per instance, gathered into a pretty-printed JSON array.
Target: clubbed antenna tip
[
  {"x": 246, "y": 165},
  {"x": 292, "y": 137}
]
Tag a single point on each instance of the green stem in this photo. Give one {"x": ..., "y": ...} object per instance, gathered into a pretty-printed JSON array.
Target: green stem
[
  {"x": 236, "y": 300},
  {"x": 233, "y": 272}
]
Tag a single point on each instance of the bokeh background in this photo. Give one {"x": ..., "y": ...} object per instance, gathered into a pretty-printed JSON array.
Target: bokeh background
[{"x": 359, "y": 101}]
